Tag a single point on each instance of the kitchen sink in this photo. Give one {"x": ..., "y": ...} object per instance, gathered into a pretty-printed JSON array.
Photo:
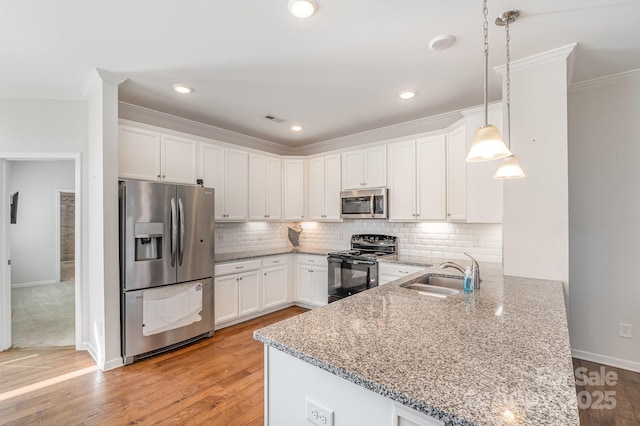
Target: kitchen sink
[
  {"x": 432, "y": 280},
  {"x": 430, "y": 290}
]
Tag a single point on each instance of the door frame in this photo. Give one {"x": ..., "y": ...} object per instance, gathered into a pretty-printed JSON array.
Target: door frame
[
  {"x": 5, "y": 270},
  {"x": 5, "y": 302},
  {"x": 58, "y": 220}
]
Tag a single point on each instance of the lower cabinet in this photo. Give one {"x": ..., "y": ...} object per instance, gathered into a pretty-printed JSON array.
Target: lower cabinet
[
  {"x": 275, "y": 282},
  {"x": 312, "y": 280},
  {"x": 226, "y": 298},
  {"x": 238, "y": 288},
  {"x": 249, "y": 286}
]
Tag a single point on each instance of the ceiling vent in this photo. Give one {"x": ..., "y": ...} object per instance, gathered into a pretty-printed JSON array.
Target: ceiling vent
[{"x": 274, "y": 118}]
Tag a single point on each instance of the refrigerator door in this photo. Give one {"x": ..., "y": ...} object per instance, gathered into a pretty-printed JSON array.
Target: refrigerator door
[
  {"x": 196, "y": 233},
  {"x": 149, "y": 231}
]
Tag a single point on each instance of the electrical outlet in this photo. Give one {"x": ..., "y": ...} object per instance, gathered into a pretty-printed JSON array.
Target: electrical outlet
[
  {"x": 476, "y": 241},
  {"x": 625, "y": 330},
  {"x": 220, "y": 237},
  {"x": 319, "y": 415}
]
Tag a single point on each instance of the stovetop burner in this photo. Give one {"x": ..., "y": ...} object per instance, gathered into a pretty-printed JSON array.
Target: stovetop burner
[{"x": 369, "y": 247}]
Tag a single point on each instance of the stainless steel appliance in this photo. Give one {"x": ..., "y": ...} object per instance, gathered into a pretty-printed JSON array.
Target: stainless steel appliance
[
  {"x": 356, "y": 270},
  {"x": 166, "y": 266},
  {"x": 364, "y": 204}
]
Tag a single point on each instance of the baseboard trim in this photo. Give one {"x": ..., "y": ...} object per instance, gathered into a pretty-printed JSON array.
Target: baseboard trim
[
  {"x": 606, "y": 360},
  {"x": 94, "y": 354},
  {"x": 114, "y": 363},
  {"x": 34, "y": 284}
]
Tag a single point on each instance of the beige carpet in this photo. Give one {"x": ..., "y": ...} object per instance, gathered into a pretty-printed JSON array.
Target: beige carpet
[{"x": 43, "y": 315}]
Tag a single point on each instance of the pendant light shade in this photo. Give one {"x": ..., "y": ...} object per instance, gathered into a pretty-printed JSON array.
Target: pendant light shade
[
  {"x": 509, "y": 168},
  {"x": 487, "y": 145}
]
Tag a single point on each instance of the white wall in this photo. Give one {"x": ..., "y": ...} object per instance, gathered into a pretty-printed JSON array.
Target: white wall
[
  {"x": 536, "y": 219},
  {"x": 34, "y": 236},
  {"x": 604, "y": 220},
  {"x": 439, "y": 240}
]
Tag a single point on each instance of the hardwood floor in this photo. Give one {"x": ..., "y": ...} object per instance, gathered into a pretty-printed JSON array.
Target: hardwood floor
[{"x": 217, "y": 381}]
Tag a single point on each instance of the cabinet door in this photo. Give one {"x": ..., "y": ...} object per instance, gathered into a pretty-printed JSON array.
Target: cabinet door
[
  {"x": 257, "y": 193},
  {"x": 273, "y": 188},
  {"x": 212, "y": 170},
  {"x": 226, "y": 298},
  {"x": 431, "y": 178},
  {"x": 316, "y": 189},
  {"x": 138, "y": 154},
  {"x": 402, "y": 181},
  {"x": 353, "y": 170},
  {"x": 236, "y": 185},
  {"x": 457, "y": 174},
  {"x": 332, "y": 185},
  {"x": 179, "y": 160},
  {"x": 304, "y": 284},
  {"x": 293, "y": 190},
  {"x": 320, "y": 285},
  {"x": 249, "y": 286},
  {"x": 375, "y": 167},
  {"x": 275, "y": 285}
]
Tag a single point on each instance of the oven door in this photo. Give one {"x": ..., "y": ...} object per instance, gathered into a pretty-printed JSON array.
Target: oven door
[{"x": 350, "y": 276}]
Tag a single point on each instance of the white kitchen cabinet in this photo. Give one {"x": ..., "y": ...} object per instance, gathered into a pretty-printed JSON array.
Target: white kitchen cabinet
[
  {"x": 312, "y": 280},
  {"x": 365, "y": 168},
  {"x": 417, "y": 179},
  {"x": 457, "y": 174},
  {"x": 249, "y": 293},
  {"x": 265, "y": 188},
  {"x": 226, "y": 170},
  {"x": 388, "y": 272},
  {"x": 148, "y": 155},
  {"x": 484, "y": 194},
  {"x": 238, "y": 290},
  {"x": 275, "y": 281},
  {"x": 294, "y": 190},
  {"x": 226, "y": 298},
  {"x": 324, "y": 188}
]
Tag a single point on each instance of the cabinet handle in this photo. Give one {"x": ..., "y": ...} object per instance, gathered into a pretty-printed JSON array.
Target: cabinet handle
[
  {"x": 448, "y": 214},
  {"x": 159, "y": 176},
  {"x": 312, "y": 261},
  {"x": 265, "y": 274},
  {"x": 275, "y": 261},
  {"x": 240, "y": 278},
  {"x": 239, "y": 267},
  {"x": 164, "y": 176}
]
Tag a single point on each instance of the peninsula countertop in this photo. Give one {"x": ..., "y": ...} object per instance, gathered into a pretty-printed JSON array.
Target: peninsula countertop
[{"x": 499, "y": 355}]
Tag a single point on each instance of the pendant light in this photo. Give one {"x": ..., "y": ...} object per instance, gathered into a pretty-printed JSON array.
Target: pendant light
[
  {"x": 509, "y": 167},
  {"x": 487, "y": 142}
]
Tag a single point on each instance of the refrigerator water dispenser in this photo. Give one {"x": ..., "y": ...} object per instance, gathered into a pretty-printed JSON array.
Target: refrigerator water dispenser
[{"x": 148, "y": 240}]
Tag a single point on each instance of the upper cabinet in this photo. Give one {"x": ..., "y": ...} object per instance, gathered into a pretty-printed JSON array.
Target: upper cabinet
[
  {"x": 417, "y": 179},
  {"x": 457, "y": 174},
  {"x": 226, "y": 170},
  {"x": 265, "y": 188},
  {"x": 149, "y": 155},
  {"x": 324, "y": 188},
  {"x": 365, "y": 168},
  {"x": 294, "y": 190},
  {"x": 484, "y": 193}
]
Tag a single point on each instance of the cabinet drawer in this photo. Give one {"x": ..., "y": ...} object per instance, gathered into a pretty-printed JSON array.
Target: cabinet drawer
[
  {"x": 310, "y": 259},
  {"x": 274, "y": 261},
  {"x": 236, "y": 267}
]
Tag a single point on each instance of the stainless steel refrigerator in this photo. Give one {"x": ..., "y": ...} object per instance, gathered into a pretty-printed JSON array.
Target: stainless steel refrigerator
[{"x": 166, "y": 266}]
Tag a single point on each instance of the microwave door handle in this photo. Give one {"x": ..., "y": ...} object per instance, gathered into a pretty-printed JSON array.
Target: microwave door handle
[
  {"x": 174, "y": 232},
  {"x": 181, "y": 241},
  {"x": 371, "y": 204}
]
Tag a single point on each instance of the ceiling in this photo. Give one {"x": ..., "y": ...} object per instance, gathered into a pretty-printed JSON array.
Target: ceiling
[{"x": 336, "y": 73}]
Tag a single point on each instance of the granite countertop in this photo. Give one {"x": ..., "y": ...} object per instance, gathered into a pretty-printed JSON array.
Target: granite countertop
[
  {"x": 499, "y": 355},
  {"x": 254, "y": 254}
]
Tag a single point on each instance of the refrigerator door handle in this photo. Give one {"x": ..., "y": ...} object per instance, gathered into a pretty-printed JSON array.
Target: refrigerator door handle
[
  {"x": 181, "y": 220},
  {"x": 174, "y": 232}
]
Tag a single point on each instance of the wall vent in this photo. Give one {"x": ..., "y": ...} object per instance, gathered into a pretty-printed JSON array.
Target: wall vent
[{"x": 274, "y": 118}]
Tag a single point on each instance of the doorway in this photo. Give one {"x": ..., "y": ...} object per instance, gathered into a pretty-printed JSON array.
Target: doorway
[{"x": 42, "y": 281}]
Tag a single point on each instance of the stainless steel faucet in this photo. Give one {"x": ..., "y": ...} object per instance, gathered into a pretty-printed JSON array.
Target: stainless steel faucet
[{"x": 475, "y": 270}]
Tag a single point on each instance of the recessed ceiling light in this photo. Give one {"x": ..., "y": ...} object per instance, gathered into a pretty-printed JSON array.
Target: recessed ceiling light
[
  {"x": 296, "y": 128},
  {"x": 442, "y": 42},
  {"x": 302, "y": 8},
  {"x": 407, "y": 94},
  {"x": 181, "y": 88}
]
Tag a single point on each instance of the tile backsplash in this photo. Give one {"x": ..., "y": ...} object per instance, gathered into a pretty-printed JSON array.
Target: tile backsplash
[{"x": 440, "y": 240}]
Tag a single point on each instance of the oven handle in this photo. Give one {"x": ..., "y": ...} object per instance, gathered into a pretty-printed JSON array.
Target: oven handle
[{"x": 351, "y": 261}]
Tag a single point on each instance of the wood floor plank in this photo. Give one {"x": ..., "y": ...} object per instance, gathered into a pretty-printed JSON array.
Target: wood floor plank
[{"x": 217, "y": 381}]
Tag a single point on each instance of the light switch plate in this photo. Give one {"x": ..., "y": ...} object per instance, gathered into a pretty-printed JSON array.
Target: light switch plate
[
  {"x": 624, "y": 330},
  {"x": 318, "y": 415}
]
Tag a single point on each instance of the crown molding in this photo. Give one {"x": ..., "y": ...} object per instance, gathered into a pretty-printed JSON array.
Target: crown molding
[
  {"x": 553, "y": 55},
  {"x": 152, "y": 117},
  {"x": 408, "y": 128},
  {"x": 604, "y": 81},
  {"x": 480, "y": 109}
]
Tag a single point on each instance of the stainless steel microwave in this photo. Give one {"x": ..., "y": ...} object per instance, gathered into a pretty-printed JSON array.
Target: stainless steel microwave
[{"x": 364, "y": 204}]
